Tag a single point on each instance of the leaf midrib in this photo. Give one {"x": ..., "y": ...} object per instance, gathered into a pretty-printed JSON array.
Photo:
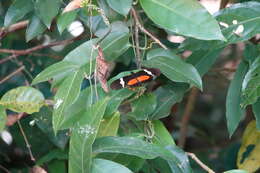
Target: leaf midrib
[
  {"x": 66, "y": 97},
  {"x": 176, "y": 71},
  {"x": 170, "y": 9}
]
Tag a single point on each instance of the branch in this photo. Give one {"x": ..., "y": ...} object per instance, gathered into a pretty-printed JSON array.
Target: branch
[
  {"x": 145, "y": 31},
  {"x": 12, "y": 74},
  {"x": 223, "y": 69},
  {"x": 39, "y": 47},
  {"x": 26, "y": 140},
  {"x": 202, "y": 165},
  {"x": 4, "y": 169},
  {"x": 12, "y": 28},
  {"x": 7, "y": 59},
  {"x": 186, "y": 116}
]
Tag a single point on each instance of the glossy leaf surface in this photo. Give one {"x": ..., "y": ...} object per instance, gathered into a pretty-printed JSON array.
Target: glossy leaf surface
[
  {"x": 83, "y": 136},
  {"x": 54, "y": 70},
  {"x": 35, "y": 28},
  {"x": 167, "y": 96},
  {"x": 107, "y": 166},
  {"x": 234, "y": 112},
  {"x": 185, "y": 17},
  {"x": 120, "y": 6},
  {"x": 173, "y": 67},
  {"x": 143, "y": 107},
  {"x": 65, "y": 96},
  {"x": 65, "y": 19},
  {"x": 17, "y": 11},
  {"x": 251, "y": 84},
  {"x": 47, "y": 10}
]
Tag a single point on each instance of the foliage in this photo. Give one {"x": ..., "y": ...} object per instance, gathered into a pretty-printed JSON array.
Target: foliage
[{"x": 125, "y": 130}]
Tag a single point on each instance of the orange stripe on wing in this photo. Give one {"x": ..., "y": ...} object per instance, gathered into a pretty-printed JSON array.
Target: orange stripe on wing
[{"x": 138, "y": 79}]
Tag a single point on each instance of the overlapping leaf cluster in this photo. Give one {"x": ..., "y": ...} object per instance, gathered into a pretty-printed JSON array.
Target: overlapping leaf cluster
[{"x": 93, "y": 116}]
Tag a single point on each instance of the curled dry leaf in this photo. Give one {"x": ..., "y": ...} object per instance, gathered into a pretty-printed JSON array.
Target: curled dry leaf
[
  {"x": 103, "y": 69},
  {"x": 37, "y": 169},
  {"x": 73, "y": 5}
]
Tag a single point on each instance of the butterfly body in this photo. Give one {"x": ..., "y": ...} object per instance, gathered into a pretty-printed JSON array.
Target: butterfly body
[{"x": 136, "y": 79}]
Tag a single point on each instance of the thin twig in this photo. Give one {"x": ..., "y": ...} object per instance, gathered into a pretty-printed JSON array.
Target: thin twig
[
  {"x": 202, "y": 165},
  {"x": 39, "y": 47},
  {"x": 12, "y": 28},
  {"x": 223, "y": 69},
  {"x": 186, "y": 116},
  {"x": 12, "y": 74},
  {"x": 48, "y": 55},
  {"x": 4, "y": 169},
  {"x": 26, "y": 140},
  {"x": 145, "y": 31},
  {"x": 7, "y": 58}
]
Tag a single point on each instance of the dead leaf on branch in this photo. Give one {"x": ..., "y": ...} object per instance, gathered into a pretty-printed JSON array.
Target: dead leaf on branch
[{"x": 103, "y": 69}]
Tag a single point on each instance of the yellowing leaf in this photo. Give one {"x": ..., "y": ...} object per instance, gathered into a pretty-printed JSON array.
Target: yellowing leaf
[
  {"x": 109, "y": 126},
  {"x": 249, "y": 152},
  {"x": 23, "y": 99}
]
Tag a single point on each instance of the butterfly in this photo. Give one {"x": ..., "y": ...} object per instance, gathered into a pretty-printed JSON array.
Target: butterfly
[{"x": 136, "y": 79}]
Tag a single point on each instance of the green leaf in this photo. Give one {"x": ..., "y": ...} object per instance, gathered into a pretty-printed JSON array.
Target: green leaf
[
  {"x": 47, "y": 10},
  {"x": 251, "y": 84},
  {"x": 116, "y": 98},
  {"x": 109, "y": 126},
  {"x": 120, "y": 6},
  {"x": 53, "y": 154},
  {"x": 35, "y": 28},
  {"x": 143, "y": 106},
  {"x": 3, "y": 118},
  {"x": 113, "y": 45},
  {"x": 65, "y": 19},
  {"x": 54, "y": 70},
  {"x": 130, "y": 146},
  {"x": 83, "y": 136},
  {"x": 132, "y": 162},
  {"x": 57, "y": 166},
  {"x": 256, "y": 110},
  {"x": 167, "y": 96},
  {"x": 182, "y": 164},
  {"x": 160, "y": 165},
  {"x": 251, "y": 52},
  {"x": 136, "y": 147},
  {"x": 17, "y": 11},
  {"x": 74, "y": 112},
  {"x": 67, "y": 94},
  {"x": 234, "y": 112},
  {"x": 245, "y": 14},
  {"x": 204, "y": 59},
  {"x": 162, "y": 136},
  {"x": 23, "y": 99},
  {"x": 43, "y": 121},
  {"x": 107, "y": 166},
  {"x": 173, "y": 67},
  {"x": 236, "y": 171},
  {"x": 87, "y": 98},
  {"x": 187, "y": 17}
]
